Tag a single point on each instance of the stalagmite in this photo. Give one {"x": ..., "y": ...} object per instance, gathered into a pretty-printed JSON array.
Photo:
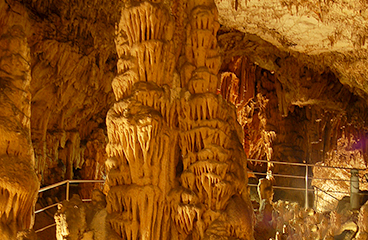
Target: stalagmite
[{"x": 176, "y": 167}]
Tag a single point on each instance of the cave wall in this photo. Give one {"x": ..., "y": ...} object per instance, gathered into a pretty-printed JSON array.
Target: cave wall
[
  {"x": 18, "y": 182},
  {"x": 71, "y": 64},
  {"x": 296, "y": 114}
]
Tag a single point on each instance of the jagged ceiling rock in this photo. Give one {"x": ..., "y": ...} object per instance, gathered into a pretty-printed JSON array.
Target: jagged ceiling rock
[
  {"x": 327, "y": 33},
  {"x": 302, "y": 79},
  {"x": 305, "y": 26}
]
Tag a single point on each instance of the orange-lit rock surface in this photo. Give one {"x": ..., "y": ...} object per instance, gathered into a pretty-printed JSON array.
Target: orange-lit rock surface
[
  {"x": 78, "y": 220},
  {"x": 176, "y": 168},
  {"x": 18, "y": 181},
  {"x": 295, "y": 71}
]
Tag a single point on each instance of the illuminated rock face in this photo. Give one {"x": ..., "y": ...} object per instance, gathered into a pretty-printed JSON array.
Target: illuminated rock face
[
  {"x": 18, "y": 182},
  {"x": 77, "y": 220},
  {"x": 362, "y": 223},
  {"x": 332, "y": 33},
  {"x": 176, "y": 168}
]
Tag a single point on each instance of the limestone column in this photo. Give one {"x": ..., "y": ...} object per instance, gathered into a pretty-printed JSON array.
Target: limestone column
[
  {"x": 214, "y": 200},
  {"x": 176, "y": 167},
  {"x": 142, "y": 146},
  {"x": 18, "y": 182}
]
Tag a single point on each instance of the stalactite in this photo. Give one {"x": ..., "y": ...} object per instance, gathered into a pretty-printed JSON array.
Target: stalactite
[
  {"x": 140, "y": 125},
  {"x": 156, "y": 126},
  {"x": 207, "y": 132}
]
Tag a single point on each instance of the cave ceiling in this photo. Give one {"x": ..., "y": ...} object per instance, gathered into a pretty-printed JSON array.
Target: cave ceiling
[{"x": 322, "y": 34}]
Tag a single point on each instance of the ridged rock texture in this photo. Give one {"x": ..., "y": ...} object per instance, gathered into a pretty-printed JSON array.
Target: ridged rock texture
[
  {"x": 176, "y": 168},
  {"x": 18, "y": 182},
  {"x": 314, "y": 55},
  {"x": 299, "y": 113},
  {"x": 332, "y": 32}
]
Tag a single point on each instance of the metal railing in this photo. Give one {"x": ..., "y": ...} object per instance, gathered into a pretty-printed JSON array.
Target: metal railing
[
  {"x": 67, "y": 195},
  {"x": 307, "y": 178}
]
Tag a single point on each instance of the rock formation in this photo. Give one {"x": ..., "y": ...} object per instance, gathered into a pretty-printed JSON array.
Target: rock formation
[
  {"x": 18, "y": 182},
  {"x": 76, "y": 220},
  {"x": 176, "y": 168},
  {"x": 295, "y": 71},
  {"x": 362, "y": 223}
]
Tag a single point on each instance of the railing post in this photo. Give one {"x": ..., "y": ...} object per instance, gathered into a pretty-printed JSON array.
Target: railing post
[
  {"x": 354, "y": 189},
  {"x": 67, "y": 190},
  {"x": 317, "y": 199},
  {"x": 306, "y": 186}
]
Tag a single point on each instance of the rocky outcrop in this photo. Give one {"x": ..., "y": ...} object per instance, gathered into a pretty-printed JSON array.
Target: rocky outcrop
[
  {"x": 76, "y": 220},
  {"x": 310, "y": 26}
]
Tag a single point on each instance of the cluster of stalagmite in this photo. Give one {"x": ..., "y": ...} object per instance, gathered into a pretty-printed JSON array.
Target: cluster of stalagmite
[
  {"x": 18, "y": 182},
  {"x": 176, "y": 168}
]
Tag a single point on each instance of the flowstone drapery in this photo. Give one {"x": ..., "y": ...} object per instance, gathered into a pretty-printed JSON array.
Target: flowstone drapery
[
  {"x": 176, "y": 168},
  {"x": 18, "y": 182}
]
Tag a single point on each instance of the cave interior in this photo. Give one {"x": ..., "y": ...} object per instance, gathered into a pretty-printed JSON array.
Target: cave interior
[{"x": 174, "y": 103}]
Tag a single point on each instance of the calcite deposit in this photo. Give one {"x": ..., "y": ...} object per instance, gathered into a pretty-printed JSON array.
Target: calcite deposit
[
  {"x": 77, "y": 220},
  {"x": 18, "y": 181},
  {"x": 176, "y": 168}
]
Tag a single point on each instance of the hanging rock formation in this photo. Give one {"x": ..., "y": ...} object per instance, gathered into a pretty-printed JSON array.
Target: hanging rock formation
[{"x": 176, "y": 168}]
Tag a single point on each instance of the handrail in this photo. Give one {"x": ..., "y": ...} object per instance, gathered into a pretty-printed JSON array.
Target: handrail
[
  {"x": 304, "y": 164},
  {"x": 326, "y": 193},
  {"x": 67, "y": 182},
  {"x": 44, "y": 228},
  {"x": 283, "y": 187},
  {"x": 52, "y": 186},
  {"x": 281, "y": 175},
  {"x": 306, "y": 177},
  {"x": 45, "y": 208},
  {"x": 70, "y": 181},
  {"x": 303, "y": 177}
]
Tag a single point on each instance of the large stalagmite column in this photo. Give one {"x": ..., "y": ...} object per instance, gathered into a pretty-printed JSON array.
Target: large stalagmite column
[
  {"x": 142, "y": 138},
  {"x": 176, "y": 168},
  {"x": 18, "y": 182}
]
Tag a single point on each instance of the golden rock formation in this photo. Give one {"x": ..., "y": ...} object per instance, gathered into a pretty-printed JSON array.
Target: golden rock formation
[
  {"x": 18, "y": 182},
  {"x": 172, "y": 140},
  {"x": 176, "y": 168},
  {"x": 76, "y": 220},
  {"x": 362, "y": 223}
]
